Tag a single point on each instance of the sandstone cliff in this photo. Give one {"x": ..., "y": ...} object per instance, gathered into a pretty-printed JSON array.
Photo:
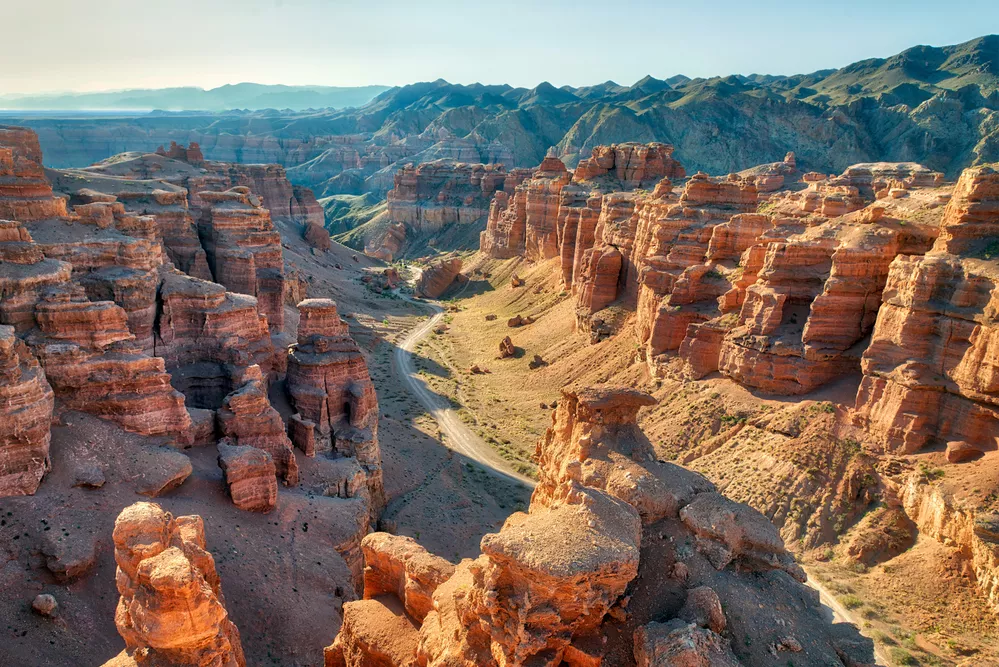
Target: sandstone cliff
[{"x": 27, "y": 401}]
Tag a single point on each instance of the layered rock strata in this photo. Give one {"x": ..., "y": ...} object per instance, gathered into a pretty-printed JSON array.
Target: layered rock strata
[
  {"x": 249, "y": 475},
  {"x": 244, "y": 249},
  {"x": 329, "y": 385},
  {"x": 208, "y": 336},
  {"x": 95, "y": 365},
  {"x": 171, "y": 611},
  {"x": 26, "y": 403},
  {"x": 431, "y": 195},
  {"x": 248, "y": 419},
  {"x": 929, "y": 372},
  {"x": 25, "y": 193}
]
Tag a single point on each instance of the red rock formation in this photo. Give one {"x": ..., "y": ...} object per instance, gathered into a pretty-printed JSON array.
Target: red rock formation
[
  {"x": 928, "y": 369},
  {"x": 177, "y": 226},
  {"x": 329, "y": 385},
  {"x": 94, "y": 365},
  {"x": 206, "y": 335},
  {"x": 244, "y": 249},
  {"x": 438, "y": 277},
  {"x": 632, "y": 164},
  {"x": 247, "y": 418},
  {"x": 390, "y": 245},
  {"x": 870, "y": 177},
  {"x": 317, "y": 237},
  {"x": 545, "y": 577},
  {"x": 191, "y": 154},
  {"x": 505, "y": 229},
  {"x": 26, "y": 403},
  {"x": 549, "y": 588},
  {"x": 25, "y": 274},
  {"x": 25, "y": 193},
  {"x": 682, "y": 644},
  {"x": 542, "y": 194},
  {"x": 398, "y": 565},
  {"x": 431, "y": 195},
  {"x": 373, "y": 634},
  {"x": 171, "y": 611},
  {"x": 249, "y": 476}
]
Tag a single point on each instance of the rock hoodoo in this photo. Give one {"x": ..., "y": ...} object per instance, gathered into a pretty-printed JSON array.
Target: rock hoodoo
[
  {"x": 171, "y": 611},
  {"x": 329, "y": 386}
]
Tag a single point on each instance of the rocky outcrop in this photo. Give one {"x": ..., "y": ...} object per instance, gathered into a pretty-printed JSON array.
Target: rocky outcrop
[
  {"x": 171, "y": 611},
  {"x": 438, "y": 277},
  {"x": 244, "y": 249},
  {"x": 178, "y": 228},
  {"x": 928, "y": 370},
  {"x": 207, "y": 336},
  {"x": 390, "y": 245},
  {"x": 25, "y": 193},
  {"x": 545, "y": 577},
  {"x": 26, "y": 402},
  {"x": 679, "y": 643},
  {"x": 248, "y": 419},
  {"x": 523, "y": 218},
  {"x": 940, "y": 513},
  {"x": 329, "y": 385},
  {"x": 249, "y": 475},
  {"x": 400, "y": 566},
  {"x": 631, "y": 164},
  {"x": 606, "y": 519},
  {"x": 431, "y": 195},
  {"x": 94, "y": 365}
]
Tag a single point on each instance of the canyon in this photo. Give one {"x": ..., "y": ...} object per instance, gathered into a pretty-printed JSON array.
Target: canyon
[{"x": 586, "y": 388}]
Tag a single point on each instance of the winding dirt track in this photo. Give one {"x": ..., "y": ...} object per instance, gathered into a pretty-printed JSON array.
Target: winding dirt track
[
  {"x": 460, "y": 438},
  {"x": 466, "y": 442}
]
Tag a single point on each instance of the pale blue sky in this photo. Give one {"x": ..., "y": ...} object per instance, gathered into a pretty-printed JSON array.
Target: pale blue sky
[{"x": 107, "y": 44}]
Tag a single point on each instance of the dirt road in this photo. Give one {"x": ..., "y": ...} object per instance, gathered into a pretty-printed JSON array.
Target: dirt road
[
  {"x": 841, "y": 614},
  {"x": 459, "y": 437}
]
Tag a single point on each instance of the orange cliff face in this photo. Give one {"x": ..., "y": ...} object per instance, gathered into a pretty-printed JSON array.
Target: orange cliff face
[
  {"x": 25, "y": 417},
  {"x": 929, "y": 372},
  {"x": 612, "y": 540},
  {"x": 243, "y": 249}
]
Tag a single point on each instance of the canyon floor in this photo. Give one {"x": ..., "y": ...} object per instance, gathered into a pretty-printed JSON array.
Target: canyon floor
[{"x": 917, "y": 606}]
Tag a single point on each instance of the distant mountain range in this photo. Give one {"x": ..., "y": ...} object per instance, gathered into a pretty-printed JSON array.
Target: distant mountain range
[
  {"x": 251, "y": 96},
  {"x": 935, "y": 105}
]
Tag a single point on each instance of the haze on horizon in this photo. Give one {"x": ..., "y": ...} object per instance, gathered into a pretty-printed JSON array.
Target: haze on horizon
[{"x": 55, "y": 46}]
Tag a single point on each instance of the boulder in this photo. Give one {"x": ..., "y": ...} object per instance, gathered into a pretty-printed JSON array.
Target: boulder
[
  {"x": 506, "y": 348},
  {"x": 249, "y": 475}
]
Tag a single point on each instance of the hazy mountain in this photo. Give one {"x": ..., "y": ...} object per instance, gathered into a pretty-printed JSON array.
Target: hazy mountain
[{"x": 237, "y": 96}]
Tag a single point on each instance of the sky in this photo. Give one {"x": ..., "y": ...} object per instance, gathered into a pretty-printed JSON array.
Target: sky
[{"x": 87, "y": 45}]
